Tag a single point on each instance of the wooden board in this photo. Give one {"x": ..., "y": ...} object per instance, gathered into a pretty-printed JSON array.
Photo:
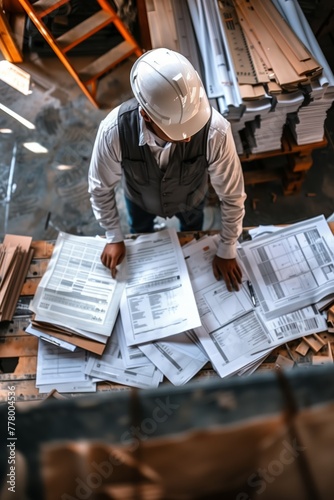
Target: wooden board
[{"x": 8, "y": 45}]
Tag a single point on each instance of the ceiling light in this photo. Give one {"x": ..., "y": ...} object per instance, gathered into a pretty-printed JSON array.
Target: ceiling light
[
  {"x": 35, "y": 147},
  {"x": 17, "y": 117},
  {"x": 64, "y": 167}
]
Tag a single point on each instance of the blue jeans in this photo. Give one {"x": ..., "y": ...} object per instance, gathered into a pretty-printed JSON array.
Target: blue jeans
[{"x": 141, "y": 221}]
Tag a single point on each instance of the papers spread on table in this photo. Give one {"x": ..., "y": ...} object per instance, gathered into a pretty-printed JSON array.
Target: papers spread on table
[{"x": 174, "y": 316}]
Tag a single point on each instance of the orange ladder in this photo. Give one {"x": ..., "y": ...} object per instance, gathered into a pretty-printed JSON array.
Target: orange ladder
[{"x": 86, "y": 78}]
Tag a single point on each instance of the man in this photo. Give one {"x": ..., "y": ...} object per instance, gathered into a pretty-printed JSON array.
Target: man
[{"x": 163, "y": 145}]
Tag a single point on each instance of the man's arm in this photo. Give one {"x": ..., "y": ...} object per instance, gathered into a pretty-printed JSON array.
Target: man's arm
[
  {"x": 103, "y": 178},
  {"x": 227, "y": 180}
]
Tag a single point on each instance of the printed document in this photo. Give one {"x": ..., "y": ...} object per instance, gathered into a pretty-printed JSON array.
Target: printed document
[
  {"x": 77, "y": 290},
  {"x": 158, "y": 300},
  {"x": 179, "y": 357},
  {"x": 110, "y": 367},
  {"x": 61, "y": 369},
  {"x": 292, "y": 267},
  {"x": 131, "y": 355},
  {"x": 232, "y": 333}
]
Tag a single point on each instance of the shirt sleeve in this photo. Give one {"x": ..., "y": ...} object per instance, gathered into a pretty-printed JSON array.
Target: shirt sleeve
[
  {"x": 104, "y": 176},
  {"x": 226, "y": 178}
]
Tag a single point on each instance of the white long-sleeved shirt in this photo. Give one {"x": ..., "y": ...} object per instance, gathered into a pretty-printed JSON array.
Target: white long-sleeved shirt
[{"x": 224, "y": 169}]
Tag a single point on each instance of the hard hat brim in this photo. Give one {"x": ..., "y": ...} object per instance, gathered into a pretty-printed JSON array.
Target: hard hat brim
[{"x": 182, "y": 131}]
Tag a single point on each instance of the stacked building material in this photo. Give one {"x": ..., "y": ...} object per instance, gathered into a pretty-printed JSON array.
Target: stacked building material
[{"x": 262, "y": 66}]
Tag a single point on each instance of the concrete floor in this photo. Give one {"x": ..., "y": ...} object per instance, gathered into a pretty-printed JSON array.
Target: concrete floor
[{"x": 38, "y": 197}]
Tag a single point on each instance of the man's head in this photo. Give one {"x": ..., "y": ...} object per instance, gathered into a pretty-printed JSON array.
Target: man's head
[{"x": 171, "y": 93}]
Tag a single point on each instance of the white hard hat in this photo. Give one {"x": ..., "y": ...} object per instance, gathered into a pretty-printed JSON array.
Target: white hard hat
[{"x": 171, "y": 92}]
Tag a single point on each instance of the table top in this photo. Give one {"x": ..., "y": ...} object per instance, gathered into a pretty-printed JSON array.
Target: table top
[{"x": 19, "y": 350}]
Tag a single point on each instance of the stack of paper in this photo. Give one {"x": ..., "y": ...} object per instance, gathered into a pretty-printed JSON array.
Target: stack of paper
[
  {"x": 15, "y": 258},
  {"x": 235, "y": 334},
  {"x": 244, "y": 128},
  {"x": 153, "y": 334},
  {"x": 62, "y": 369},
  {"x": 77, "y": 300},
  {"x": 249, "y": 52},
  {"x": 268, "y": 135},
  {"x": 113, "y": 366},
  {"x": 307, "y": 125}
]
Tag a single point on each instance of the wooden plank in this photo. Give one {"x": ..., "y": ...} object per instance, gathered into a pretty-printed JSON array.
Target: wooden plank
[
  {"x": 251, "y": 38},
  {"x": 25, "y": 390},
  {"x": 84, "y": 30},
  {"x": 44, "y": 7},
  {"x": 258, "y": 176},
  {"x": 302, "y": 348},
  {"x": 43, "y": 249},
  {"x": 30, "y": 286},
  {"x": 24, "y": 370},
  {"x": 315, "y": 342},
  {"x": 254, "y": 26},
  {"x": 286, "y": 32},
  {"x": 290, "y": 45},
  {"x": 145, "y": 37},
  {"x": 19, "y": 345},
  {"x": 106, "y": 62},
  {"x": 8, "y": 45}
]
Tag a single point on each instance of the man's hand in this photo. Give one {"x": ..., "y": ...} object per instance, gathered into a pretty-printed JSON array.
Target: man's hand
[
  {"x": 229, "y": 270},
  {"x": 112, "y": 255}
]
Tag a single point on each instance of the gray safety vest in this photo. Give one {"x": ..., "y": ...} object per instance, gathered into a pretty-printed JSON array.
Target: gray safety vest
[{"x": 181, "y": 187}]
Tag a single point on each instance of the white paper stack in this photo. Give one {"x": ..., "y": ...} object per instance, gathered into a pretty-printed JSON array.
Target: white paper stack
[
  {"x": 269, "y": 135},
  {"x": 308, "y": 127}
]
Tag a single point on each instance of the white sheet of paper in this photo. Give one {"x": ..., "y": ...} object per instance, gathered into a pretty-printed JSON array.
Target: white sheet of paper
[
  {"x": 158, "y": 300},
  {"x": 178, "y": 357},
  {"x": 296, "y": 324},
  {"x": 132, "y": 356},
  {"x": 110, "y": 367},
  {"x": 77, "y": 289},
  {"x": 68, "y": 387},
  {"x": 232, "y": 334},
  {"x": 291, "y": 268},
  {"x": 216, "y": 305},
  {"x": 49, "y": 338},
  {"x": 236, "y": 344},
  {"x": 58, "y": 367}
]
